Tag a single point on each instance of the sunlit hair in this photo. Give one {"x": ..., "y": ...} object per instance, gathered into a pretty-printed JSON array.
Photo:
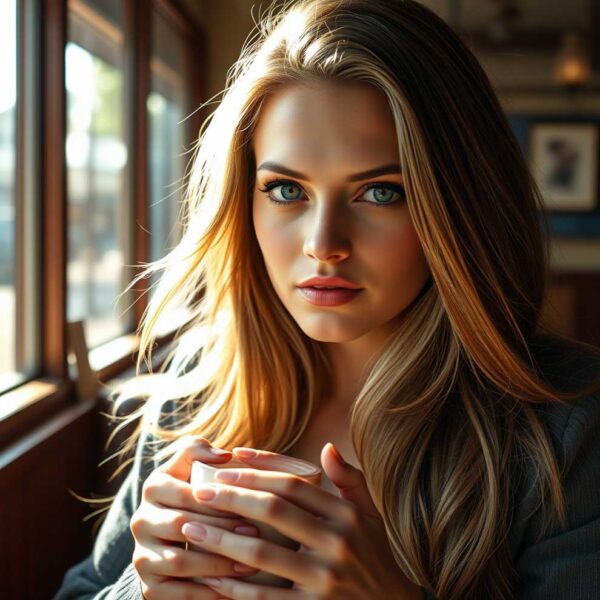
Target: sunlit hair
[{"x": 447, "y": 414}]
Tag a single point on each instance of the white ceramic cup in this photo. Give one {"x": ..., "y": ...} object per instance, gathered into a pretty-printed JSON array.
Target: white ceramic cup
[{"x": 204, "y": 473}]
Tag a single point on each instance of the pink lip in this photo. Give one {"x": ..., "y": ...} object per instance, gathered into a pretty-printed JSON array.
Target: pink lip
[
  {"x": 320, "y": 297},
  {"x": 337, "y": 282}
]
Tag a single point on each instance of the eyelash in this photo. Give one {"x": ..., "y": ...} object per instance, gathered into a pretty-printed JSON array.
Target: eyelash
[{"x": 270, "y": 185}]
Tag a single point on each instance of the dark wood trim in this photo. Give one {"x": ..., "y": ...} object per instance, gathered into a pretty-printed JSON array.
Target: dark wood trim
[
  {"x": 53, "y": 210},
  {"x": 179, "y": 16},
  {"x": 531, "y": 41},
  {"x": 45, "y": 528},
  {"x": 594, "y": 38},
  {"x": 34, "y": 411},
  {"x": 137, "y": 78},
  {"x": 28, "y": 309},
  {"x": 196, "y": 65},
  {"x": 18, "y": 453},
  {"x": 21, "y": 240},
  {"x": 586, "y": 293}
]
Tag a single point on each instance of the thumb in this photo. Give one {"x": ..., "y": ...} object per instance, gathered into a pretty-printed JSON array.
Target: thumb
[
  {"x": 188, "y": 449},
  {"x": 348, "y": 479}
]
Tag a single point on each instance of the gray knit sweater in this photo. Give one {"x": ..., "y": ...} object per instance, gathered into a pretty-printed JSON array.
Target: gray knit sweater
[{"x": 563, "y": 564}]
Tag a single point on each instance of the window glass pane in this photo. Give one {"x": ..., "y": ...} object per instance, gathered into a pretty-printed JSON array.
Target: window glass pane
[
  {"x": 98, "y": 205},
  {"x": 8, "y": 153},
  {"x": 166, "y": 111}
]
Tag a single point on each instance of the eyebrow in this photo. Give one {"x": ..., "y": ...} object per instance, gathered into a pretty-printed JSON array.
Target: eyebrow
[{"x": 278, "y": 168}]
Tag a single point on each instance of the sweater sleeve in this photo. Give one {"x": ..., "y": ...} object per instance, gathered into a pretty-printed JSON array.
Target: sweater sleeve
[
  {"x": 107, "y": 573},
  {"x": 565, "y": 562}
]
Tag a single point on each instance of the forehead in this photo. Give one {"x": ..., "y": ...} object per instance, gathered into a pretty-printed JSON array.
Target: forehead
[{"x": 317, "y": 121}]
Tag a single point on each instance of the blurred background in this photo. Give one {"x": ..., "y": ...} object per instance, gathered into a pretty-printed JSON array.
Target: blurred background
[{"x": 98, "y": 115}]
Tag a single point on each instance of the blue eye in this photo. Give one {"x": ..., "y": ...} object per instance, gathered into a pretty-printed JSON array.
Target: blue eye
[
  {"x": 384, "y": 194},
  {"x": 287, "y": 191},
  {"x": 387, "y": 193}
]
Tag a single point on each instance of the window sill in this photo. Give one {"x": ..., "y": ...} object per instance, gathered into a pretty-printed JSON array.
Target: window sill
[
  {"x": 112, "y": 358},
  {"x": 28, "y": 405},
  {"x": 35, "y": 401}
]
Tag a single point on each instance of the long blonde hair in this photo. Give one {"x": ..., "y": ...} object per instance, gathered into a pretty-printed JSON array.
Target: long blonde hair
[{"x": 447, "y": 412}]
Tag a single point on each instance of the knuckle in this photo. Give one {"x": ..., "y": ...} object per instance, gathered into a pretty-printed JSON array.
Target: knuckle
[
  {"x": 180, "y": 496},
  {"x": 291, "y": 485},
  {"x": 339, "y": 547},
  {"x": 148, "y": 593},
  {"x": 149, "y": 488},
  {"x": 218, "y": 536},
  {"x": 177, "y": 522},
  {"x": 139, "y": 560},
  {"x": 176, "y": 561},
  {"x": 329, "y": 582},
  {"x": 350, "y": 517},
  {"x": 191, "y": 442},
  {"x": 226, "y": 499},
  {"x": 135, "y": 523},
  {"x": 257, "y": 553},
  {"x": 273, "y": 506}
]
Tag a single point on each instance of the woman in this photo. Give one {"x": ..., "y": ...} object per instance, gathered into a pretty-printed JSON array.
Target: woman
[{"x": 360, "y": 139}]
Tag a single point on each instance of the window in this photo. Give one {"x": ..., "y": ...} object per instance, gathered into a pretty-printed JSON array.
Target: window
[
  {"x": 96, "y": 113},
  {"x": 99, "y": 225},
  {"x": 19, "y": 194},
  {"x": 8, "y": 155},
  {"x": 167, "y": 108}
]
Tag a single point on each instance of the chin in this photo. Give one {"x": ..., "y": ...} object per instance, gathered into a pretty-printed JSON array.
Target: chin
[{"x": 333, "y": 333}]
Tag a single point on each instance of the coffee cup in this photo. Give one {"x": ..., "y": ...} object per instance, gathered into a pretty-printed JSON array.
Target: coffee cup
[{"x": 204, "y": 473}]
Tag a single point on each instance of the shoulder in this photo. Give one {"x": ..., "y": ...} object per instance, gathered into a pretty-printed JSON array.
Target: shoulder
[
  {"x": 573, "y": 429},
  {"x": 568, "y": 366}
]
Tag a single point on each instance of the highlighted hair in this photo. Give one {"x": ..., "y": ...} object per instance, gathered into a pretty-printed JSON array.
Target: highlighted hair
[{"x": 446, "y": 416}]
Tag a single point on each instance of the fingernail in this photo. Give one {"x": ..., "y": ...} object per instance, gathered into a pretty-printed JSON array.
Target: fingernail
[
  {"x": 227, "y": 475},
  {"x": 240, "y": 568},
  {"x": 338, "y": 455},
  {"x": 245, "y": 452},
  {"x": 246, "y": 530},
  {"x": 194, "y": 531},
  {"x": 218, "y": 451},
  {"x": 214, "y": 581},
  {"x": 205, "y": 493}
]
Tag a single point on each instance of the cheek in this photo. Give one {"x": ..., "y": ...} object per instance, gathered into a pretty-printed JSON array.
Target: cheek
[{"x": 401, "y": 256}]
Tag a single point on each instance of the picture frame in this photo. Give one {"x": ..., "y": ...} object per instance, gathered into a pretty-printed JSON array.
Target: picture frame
[{"x": 563, "y": 158}]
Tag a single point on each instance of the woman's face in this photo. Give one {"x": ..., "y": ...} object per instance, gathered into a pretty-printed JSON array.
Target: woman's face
[{"x": 331, "y": 224}]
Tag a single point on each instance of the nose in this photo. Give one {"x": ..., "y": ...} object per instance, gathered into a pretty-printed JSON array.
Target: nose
[{"x": 327, "y": 236}]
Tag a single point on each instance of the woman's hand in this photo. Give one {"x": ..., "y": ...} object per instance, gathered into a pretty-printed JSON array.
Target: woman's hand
[
  {"x": 160, "y": 557},
  {"x": 346, "y": 552}
]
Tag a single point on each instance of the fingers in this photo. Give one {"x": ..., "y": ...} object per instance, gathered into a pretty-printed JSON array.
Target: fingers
[
  {"x": 286, "y": 517},
  {"x": 165, "y": 490},
  {"x": 307, "y": 495},
  {"x": 259, "y": 553},
  {"x": 166, "y": 523},
  {"x": 172, "y": 561},
  {"x": 177, "y": 590},
  {"x": 235, "y": 588},
  {"x": 299, "y": 494},
  {"x": 189, "y": 449}
]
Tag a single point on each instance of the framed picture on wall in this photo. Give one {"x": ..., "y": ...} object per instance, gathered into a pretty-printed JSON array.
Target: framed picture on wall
[{"x": 563, "y": 158}]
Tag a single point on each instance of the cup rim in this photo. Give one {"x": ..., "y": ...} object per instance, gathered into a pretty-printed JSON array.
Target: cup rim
[{"x": 278, "y": 462}]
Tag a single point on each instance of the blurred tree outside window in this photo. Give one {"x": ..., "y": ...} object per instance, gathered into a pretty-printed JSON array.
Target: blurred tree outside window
[
  {"x": 99, "y": 225},
  {"x": 8, "y": 155},
  {"x": 167, "y": 108}
]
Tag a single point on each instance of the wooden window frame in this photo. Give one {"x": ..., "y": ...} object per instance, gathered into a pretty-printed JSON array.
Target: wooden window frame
[{"x": 39, "y": 398}]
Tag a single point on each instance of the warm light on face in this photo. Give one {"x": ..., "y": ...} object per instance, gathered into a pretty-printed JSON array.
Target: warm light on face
[{"x": 329, "y": 201}]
